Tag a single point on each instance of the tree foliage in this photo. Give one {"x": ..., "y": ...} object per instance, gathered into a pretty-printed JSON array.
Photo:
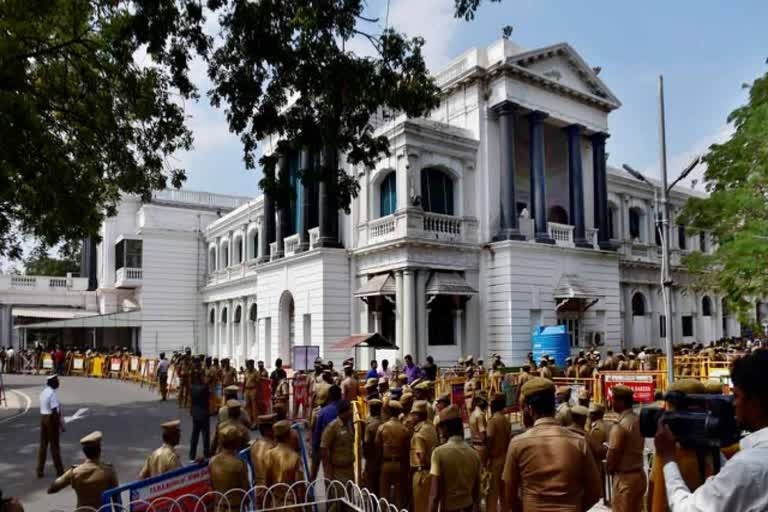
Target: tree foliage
[
  {"x": 80, "y": 120},
  {"x": 41, "y": 263},
  {"x": 736, "y": 210},
  {"x": 467, "y": 8}
]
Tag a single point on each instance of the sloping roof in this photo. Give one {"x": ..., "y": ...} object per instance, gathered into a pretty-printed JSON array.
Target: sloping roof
[
  {"x": 53, "y": 313},
  {"x": 373, "y": 340},
  {"x": 571, "y": 287},
  {"x": 380, "y": 284},
  {"x": 129, "y": 319},
  {"x": 448, "y": 283}
]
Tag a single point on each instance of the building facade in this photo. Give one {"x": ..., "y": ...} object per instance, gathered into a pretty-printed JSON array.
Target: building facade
[{"x": 495, "y": 214}]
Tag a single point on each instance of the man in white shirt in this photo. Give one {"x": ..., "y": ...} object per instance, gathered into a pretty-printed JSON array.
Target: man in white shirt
[
  {"x": 740, "y": 485},
  {"x": 50, "y": 426}
]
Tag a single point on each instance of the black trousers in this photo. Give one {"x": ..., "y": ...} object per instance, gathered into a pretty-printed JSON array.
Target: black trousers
[{"x": 200, "y": 427}]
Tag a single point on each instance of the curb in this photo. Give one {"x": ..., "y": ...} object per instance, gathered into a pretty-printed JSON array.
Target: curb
[{"x": 15, "y": 406}]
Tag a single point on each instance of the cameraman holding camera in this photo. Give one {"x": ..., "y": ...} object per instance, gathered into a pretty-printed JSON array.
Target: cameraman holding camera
[{"x": 740, "y": 485}]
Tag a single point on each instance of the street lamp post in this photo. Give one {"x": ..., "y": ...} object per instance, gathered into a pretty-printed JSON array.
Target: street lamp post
[{"x": 661, "y": 203}]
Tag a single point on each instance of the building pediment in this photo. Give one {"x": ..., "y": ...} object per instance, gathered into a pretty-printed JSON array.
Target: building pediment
[{"x": 561, "y": 67}]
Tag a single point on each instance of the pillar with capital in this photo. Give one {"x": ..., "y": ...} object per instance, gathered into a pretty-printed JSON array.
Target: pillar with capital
[
  {"x": 282, "y": 209},
  {"x": 267, "y": 232},
  {"x": 576, "y": 185},
  {"x": 509, "y": 228},
  {"x": 305, "y": 205},
  {"x": 409, "y": 311},
  {"x": 457, "y": 328},
  {"x": 399, "y": 310},
  {"x": 538, "y": 178},
  {"x": 328, "y": 213},
  {"x": 600, "y": 183}
]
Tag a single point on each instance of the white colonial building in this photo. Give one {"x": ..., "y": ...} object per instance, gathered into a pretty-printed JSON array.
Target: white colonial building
[{"x": 496, "y": 214}]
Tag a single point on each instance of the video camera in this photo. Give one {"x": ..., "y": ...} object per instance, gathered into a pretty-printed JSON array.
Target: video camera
[{"x": 698, "y": 421}]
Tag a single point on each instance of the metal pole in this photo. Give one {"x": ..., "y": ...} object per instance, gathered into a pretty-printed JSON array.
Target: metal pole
[{"x": 665, "y": 275}]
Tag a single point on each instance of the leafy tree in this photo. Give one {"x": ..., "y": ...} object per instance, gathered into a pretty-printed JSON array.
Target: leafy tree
[
  {"x": 736, "y": 210},
  {"x": 41, "y": 263},
  {"x": 80, "y": 120},
  {"x": 467, "y": 8}
]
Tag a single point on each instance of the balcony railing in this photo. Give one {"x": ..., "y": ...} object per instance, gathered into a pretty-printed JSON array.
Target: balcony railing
[
  {"x": 47, "y": 283},
  {"x": 290, "y": 244},
  {"x": 562, "y": 234},
  {"x": 314, "y": 236},
  {"x": 128, "y": 277},
  {"x": 591, "y": 236},
  {"x": 416, "y": 223}
]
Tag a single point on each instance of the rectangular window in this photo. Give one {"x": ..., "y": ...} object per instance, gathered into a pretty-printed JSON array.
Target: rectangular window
[
  {"x": 662, "y": 326},
  {"x": 307, "y": 329},
  {"x": 682, "y": 240},
  {"x": 687, "y": 326},
  {"x": 128, "y": 254}
]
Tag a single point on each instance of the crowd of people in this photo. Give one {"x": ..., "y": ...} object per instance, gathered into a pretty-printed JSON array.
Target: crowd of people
[{"x": 420, "y": 449}]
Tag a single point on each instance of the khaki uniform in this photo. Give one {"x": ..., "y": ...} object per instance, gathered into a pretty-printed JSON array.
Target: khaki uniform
[
  {"x": 600, "y": 431},
  {"x": 223, "y": 416},
  {"x": 550, "y": 468},
  {"x": 50, "y": 430},
  {"x": 183, "y": 370},
  {"x": 469, "y": 393},
  {"x": 457, "y": 466},
  {"x": 594, "y": 448},
  {"x": 259, "y": 451},
  {"x": 563, "y": 415},
  {"x": 498, "y": 435},
  {"x": 372, "y": 470},
  {"x": 252, "y": 394},
  {"x": 423, "y": 442},
  {"x": 349, "y": 389},
  {"x": 545, "y": 372},
  {"x": 393, "y": 443},
  {"x": 228, "y": 377},
  {"x": 477, "y": 428},
  {"x": 339, "y": 439},
  {"x": 320, "y": 398},
  {"x": 245, "y": 434},
  {"x": 229, "y": 472},
  {"x": 160, "y": 461},
  {"x": 89, "y": 480},
  {"x": 283, "y": 467},
  {"x": 625, "y": 461}
]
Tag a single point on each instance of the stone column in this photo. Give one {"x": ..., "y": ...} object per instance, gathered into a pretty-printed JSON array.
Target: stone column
[
  {"x": 267, "y": 235},
  {"x": 243, "y": 332},
  {"x": 216, "y": 335},
  {"x": 305, "y": 162},
  {"x": 282, "y": 209},
  {"x": 376, "y": 321},
  {"x": 328, "y": 214},
  {"x": 421, "y": 314},
  {"x": 399, "y": 310},
  {"x": 600, "y": 181},
  {"x": 230, "y": 248},
  {"x": 231, "y": 328},
  {"x": 538, "y": 180},
  {"x": 576, "y": 186},
  {"x": 627, "y": 294},
  {"x": 457, "y": 328},
  {"x": 409, "y": 312},
  {"x": 623, "y": 218},
  {"x": 508, "y": 220},
  {"x": 244, "y": 247}
]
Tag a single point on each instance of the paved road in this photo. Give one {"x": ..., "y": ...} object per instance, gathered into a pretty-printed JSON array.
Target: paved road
[{"x": 128, "y": 415}]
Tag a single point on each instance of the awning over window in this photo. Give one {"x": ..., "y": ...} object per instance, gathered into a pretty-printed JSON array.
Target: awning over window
[
  {"x": 572, "y": 294},
  {"x": 372, "y": 340},
  {"x": 380, "y": 284},
  {"x": 448, "y": 283},
  {"x": 51, "y": 312},
  {"x": 129, "y": 319}
]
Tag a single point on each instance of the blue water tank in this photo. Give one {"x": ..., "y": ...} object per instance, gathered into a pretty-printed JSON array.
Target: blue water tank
[{"x": 551, "y": 340}]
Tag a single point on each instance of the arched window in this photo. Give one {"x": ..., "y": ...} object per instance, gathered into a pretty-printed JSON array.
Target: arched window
[
  {"x": 212, "y": 317},
  {"x": 635, "y": 217},
  {"x": 224, "y": 255},
  {"x": 558, "y": 214},
  {"x": 224, "y": 315},
  {"x": 252, "y": 313},
  {"x": 436, "y": 191},
  {"x": 612, "y": 221},
  {"x": 212, "y": 259},
  {"x": 238, "y": 314},
  {"x": 388, "y": 195},
  {"x": 706, "y": 306},
  {"x": 682, "y": 240},
  {"x": 638, "y": 304},
  {"x": 254, "y": 250}
]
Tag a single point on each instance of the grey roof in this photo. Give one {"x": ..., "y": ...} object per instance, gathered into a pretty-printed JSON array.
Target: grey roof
[
  {"x": 448, "y": 283},
  {"x": 379, "y": 284},
  {"x": 571, "y": 287}
]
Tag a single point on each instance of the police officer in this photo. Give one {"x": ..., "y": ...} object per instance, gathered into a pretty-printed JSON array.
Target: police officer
[
  {"x": 563, "y": 414},
  {"x": 89, "y": 479},
  {"x": 455, "y": 468},
  {"x": 227, "y": 470},
  {"x": 183, "y": 370},
  {"x": 51, "y": 425},
  {"x": 260, "y": 448},
  {"x": 393, "y": 442},
  {"x": 251, "y": 393},
  {"x": 233, "y": 419},
  {"x": 230, "y": 393},
  {"x": 164, "y": 458},
  {"x": 372, "y": 470},
  {"x": 548, "y": 467},
  {"x": 162, "y": 376},
  {"x": 283, "y": 463},
  {"x": 579, "y": 414},
  {"x": 498, "y": 435},
  {"x": 424, "y": 440},
  {"x": 338, "y": 445},
  {"x": 625, "y": 454},
  {"x": 477, "y": 425}
]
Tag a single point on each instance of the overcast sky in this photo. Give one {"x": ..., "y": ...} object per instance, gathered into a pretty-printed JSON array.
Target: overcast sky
[{"x": 706, "y": 50}]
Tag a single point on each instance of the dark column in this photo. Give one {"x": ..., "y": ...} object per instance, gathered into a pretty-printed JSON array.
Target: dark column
[
  {"x": 268, "y": 228},
  {"x": 576, "y": 185},
  {"x": 508, "y": 221},
  {"x": 538, "y": 184},
  {"x": 305, "y": 162},
  {"x": 283, "y": 209},
  {"x": 88, "y": 262},
  {"x": 328, "y": 219},
  {"x": 600, "y": 182}
]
